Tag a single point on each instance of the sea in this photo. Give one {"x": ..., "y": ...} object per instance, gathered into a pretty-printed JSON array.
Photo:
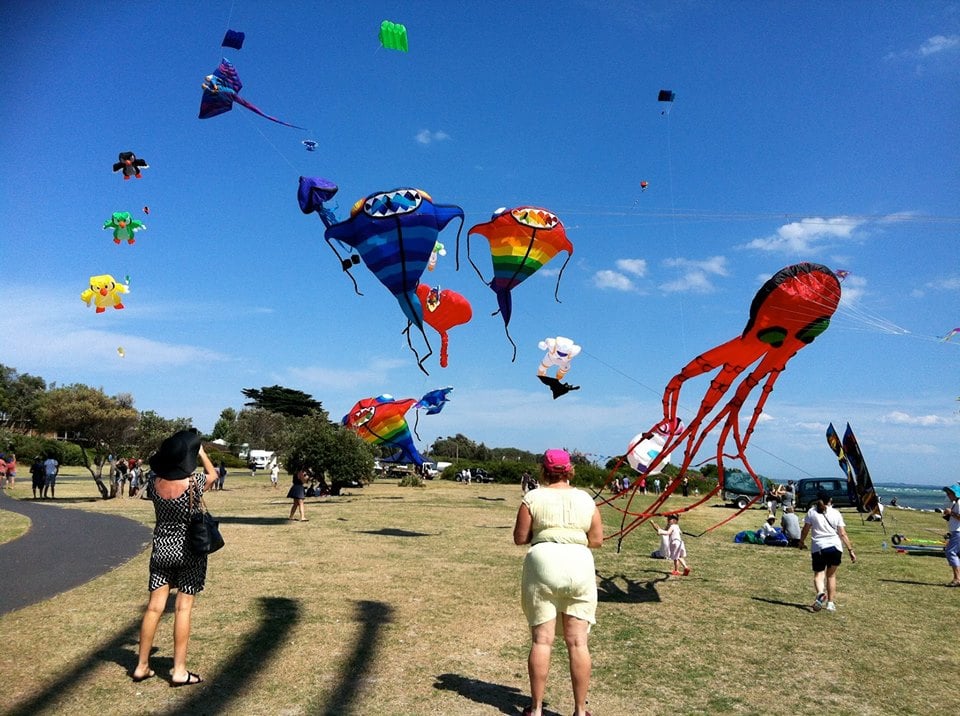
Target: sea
[{"x": 918, "y": 497}]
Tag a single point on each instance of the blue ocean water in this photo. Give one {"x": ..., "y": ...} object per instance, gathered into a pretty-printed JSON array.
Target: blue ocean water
[{"x": 919, "y": 497}]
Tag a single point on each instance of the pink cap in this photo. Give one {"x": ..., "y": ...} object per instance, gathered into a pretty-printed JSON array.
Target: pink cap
[{"x": 556, "y": 461}]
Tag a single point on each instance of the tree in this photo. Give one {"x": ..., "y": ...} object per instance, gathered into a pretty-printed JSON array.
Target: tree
[
  {"x": 261, "y": 429},
  {"x": 19, "y": 398},
  {"x": 151, "y": 431},
  {"x": 329, "y": 451},
  {"x": 93, "y": 420},
  {"x": 225, "y": 425},
  {"x": 285, "y": 401}
]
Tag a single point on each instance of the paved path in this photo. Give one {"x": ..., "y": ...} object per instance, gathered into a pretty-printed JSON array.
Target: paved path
[{"x": 63, "y": 549}]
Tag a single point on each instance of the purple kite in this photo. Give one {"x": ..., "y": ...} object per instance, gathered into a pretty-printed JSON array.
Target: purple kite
[{"x": 222, "y": 89}]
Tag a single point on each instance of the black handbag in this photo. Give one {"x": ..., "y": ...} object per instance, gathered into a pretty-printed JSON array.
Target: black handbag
[{"x": 203, "y": 531}]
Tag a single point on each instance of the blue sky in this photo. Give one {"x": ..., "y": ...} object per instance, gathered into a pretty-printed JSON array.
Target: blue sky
[{"x": 820, "y": 131}]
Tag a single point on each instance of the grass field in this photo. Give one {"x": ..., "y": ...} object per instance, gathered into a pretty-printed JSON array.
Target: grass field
[{"x": 404, "y": 601}]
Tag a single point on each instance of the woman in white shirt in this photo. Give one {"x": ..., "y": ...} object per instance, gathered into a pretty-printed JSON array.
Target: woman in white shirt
[{"x": 828, "y": 533}]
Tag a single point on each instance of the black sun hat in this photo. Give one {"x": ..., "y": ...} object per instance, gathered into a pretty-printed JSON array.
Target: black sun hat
[{"x": 177, "y": 456}]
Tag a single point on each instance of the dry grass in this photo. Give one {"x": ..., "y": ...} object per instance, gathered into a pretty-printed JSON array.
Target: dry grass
[
  {"x": 12, "y": 525},
  {"x": 404, "y": 601}
]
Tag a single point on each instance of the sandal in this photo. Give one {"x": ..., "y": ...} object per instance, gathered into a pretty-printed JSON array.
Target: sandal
[
  {"x": 191, "y": 680},
  {"x": 138, "y": 679}
]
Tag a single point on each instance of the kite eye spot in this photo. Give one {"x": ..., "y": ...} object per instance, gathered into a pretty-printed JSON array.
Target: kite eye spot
[
  {"x": 808, "y": 333},
  {"x": 774, "y": 335}
]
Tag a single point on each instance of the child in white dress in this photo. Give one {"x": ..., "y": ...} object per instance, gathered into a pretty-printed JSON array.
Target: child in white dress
[{"x": 677, "y": 550}]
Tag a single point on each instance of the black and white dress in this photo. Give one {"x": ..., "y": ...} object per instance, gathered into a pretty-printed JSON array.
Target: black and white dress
[{"x": 171, "y": 561}]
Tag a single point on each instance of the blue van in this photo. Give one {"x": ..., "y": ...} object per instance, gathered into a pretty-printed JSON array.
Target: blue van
[{"x": 807, "y": 489}]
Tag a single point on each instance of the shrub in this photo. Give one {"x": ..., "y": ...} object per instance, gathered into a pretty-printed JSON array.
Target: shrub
[{"x": 412, "y": 481}]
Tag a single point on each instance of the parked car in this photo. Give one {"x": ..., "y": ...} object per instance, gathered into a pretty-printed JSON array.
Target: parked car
[{"x": 808, "y": 488}]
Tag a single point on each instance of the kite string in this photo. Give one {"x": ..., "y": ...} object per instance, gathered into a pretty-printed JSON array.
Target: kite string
[{"x": 274, "y": 146}]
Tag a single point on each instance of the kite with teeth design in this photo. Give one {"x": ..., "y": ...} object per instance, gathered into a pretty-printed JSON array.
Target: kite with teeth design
[{"x": 394, "y": 232}]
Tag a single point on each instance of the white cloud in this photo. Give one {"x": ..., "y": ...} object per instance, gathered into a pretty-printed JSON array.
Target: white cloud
[
  {"x": 939, "y": 43},
  {"x": 638, "y": 267},
  {"x": 900, "y": 418},
  {"x": 613, "y": 280},
  {"x": 425, "y": 136},
  {"x": 319, "y": 377},
  {"x": 852, "y": 289},
  {"x": 807, "y": 235},
  {"x": 694, "y": 276},
  {"x": 934, "y": 45}
]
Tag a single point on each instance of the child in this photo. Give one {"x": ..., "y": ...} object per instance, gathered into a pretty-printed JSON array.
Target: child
[{"x": 677, "y": 549}]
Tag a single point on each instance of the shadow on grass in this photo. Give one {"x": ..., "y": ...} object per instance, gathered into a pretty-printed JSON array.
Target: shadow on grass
[
  {"x": 632, "y": 591},
  {"x": 117, "y": 649},
  {"x": 506, "y": 699},
  {"x": 777, "y": 603},
  {"x": 278, "y": 617},
  {"x": 492, "y": 499},
  {"x": 72, "y": 500},
  {"x": 372, "y": 615},
  {"x": 252, "y": 520},
  {"x": 919, "y": 584},
  {"x": 394, "y": 532}
]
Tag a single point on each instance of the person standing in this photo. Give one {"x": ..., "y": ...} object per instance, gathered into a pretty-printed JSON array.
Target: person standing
[
  {"x": 275, "y": 475},
  {"x": 828, "y": 535},
  {"x": 676, "y": 549},
  {"x": 561, "y": 524},
  {"x": 685, "y": 486},
  {"x": 11, "y": 469},
  {"x": 952, "y": 515},
  {"x": 221, "y": 474},
  {"x": 51, "y": 468},
  {"x": 37, "y": 475},
  {"x": 175, "y": 493},
  {"x": 298, "y": 494}
]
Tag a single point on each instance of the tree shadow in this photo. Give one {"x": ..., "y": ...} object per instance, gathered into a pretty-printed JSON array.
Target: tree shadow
[
  {"x": 609, "y": 589},
  {"x": 72, "y": 500},
  {"x": 492, "y": 499},
  {"x": 778, "y": 603},
  {"x": 394, "y": 532},
  {"x": 506, "y": 699},
  {"x": 373, "y": 616}
]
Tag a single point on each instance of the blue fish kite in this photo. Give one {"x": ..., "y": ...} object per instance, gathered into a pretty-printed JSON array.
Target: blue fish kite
[
  {"x": 433, "y": 401},
  {"x": 394, "y": 233}
]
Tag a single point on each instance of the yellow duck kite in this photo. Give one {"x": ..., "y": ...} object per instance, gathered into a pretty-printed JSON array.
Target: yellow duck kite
[{"x": 104, "y": 291}]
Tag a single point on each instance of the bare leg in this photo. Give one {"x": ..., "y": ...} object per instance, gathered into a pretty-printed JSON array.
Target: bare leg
[
  {"x": 148, "y": 628},
  {"x": 293, "y": 509},
  {"x": 300, "y": 505},
  {"x": 181, "y": 636},
  {"x": 538, "y": 662},
  {"x": 575, "y": 633},
  {"x": 819, "y": 582},
  {"x": 831, "y": 584}
]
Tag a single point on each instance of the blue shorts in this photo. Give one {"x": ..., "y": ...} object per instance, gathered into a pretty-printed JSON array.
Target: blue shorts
[
  {"x": 827, "y": 557},
  {"x": 953, "y": 549}
]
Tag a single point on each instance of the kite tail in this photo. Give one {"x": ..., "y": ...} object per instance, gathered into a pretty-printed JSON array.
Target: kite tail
[
  {"x": 505, "y": 303},
  {"x": 444, "y": 342},
  {"x": 420, "y": 361},
  {"x": 346, "y": 263},
  {"x": 556, "y": 291}
]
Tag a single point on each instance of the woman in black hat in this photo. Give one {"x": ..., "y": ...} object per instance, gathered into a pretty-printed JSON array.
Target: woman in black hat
[{"x": 171, "y": 488}]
